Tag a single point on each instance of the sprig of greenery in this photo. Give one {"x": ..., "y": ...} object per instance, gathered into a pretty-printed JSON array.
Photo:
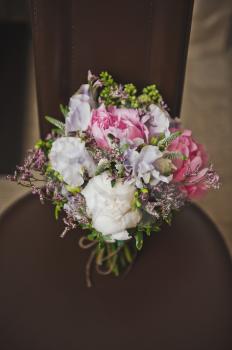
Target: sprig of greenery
[
  {"x": 52, "y": 174},
  {"x": 131, "y": 91},
  {"x": 175, "y": 155},
  {"x": 57, "y": 123},
  {"x": 165, "y": 142},
  {"x": 109, "y": 88},
  {"x": 58, "y": 208},
  {"x": 44, "y": 145},
  {"x": 102, "y": 166},
  {"x": 150, "y": 95},
  {"x": 64, "y": 110},
  {"x": 139, "y": 238},
  {"x": 113, "y": 94}
]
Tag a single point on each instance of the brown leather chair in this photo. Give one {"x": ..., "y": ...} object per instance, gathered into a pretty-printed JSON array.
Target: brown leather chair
[{"x": 178, "y": 294}]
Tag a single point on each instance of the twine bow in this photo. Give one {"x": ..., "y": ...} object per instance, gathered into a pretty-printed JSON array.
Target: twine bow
[{"x": 98, "y": 254}]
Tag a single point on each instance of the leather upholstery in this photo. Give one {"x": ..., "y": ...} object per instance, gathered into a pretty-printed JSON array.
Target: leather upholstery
[
  {"x": 143, "y": 41},
  {"x": 176, "y": 297}
]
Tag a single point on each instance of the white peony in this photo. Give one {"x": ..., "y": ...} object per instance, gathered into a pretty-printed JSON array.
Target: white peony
[
  {"x": 79, "y": 114},
  {"x": 110, "y": 207},
  {"x": 70, "y": 158},
  {"x": 145, "y": 166},
  {"x": 158, "y": 121}
]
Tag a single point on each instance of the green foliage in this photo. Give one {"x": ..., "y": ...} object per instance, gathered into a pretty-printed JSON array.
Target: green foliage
[
  {"x": 58, "y": 208},
  {"x": 154, "y": 140},
  {"x": 94, "y": 235},
  {"x": 103, "y": 165},
  {"x": 148, "y": 229},
  {"x": 64, "y": 110},
  {"x": 113, "y": 182},
  {"x": 127, "y": 253},
  {"x": 44, "y": 145},
  {"x": 106, "y": 95},
  {"x": 106, "y": 79},
  {"x": 165, "y": 142},
  {"x": 52, "y": 174},
  {"x": 136, "y": 202},
  {"x": 73, "y": 190},
  {"x": 130, "y": 89},
  {"x": 131, "y": 100},
  {"x": 139, "y": 239},
  {"x": 109, "y": 88},
  {"x": 156, "y": 228},
  {"x": 168, "y": 219},
  {"x": 150, "y": 94},
  {"x": 175, "y": 155},
  {"x": 124, "y": 147},
  {"x": 113, "y": 94},
  {"x": 57, "y": 123}
]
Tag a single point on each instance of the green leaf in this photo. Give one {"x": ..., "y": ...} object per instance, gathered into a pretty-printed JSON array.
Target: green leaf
[
  {"x": 156, "y": 228},
  {"x": 115, "y": 269},
  {"x": 58, "y": 208},
  {"x": 73, "y": 190},
  {"x": 138, "y": 203},
  {"x": 139, "y": 240},
  {"x": 113, "y": 183},
  {"x": 122, "y": 260},
  {"x": 64, "y": 110},
  {"x": 154, "y": 140},
  {"x": 55, "y": 122},
  {"x": 127, "y": 254},
  {"x": 148, "y": 230},
  {"x": 175, "y": 155},
  {"x": 124, "y": 147},
  {"x": 92, "y": 236},
  {"x": 168, "y": 219},
  {"x": 144, "y": 190},
  {"x": 102, "y": 166},
  {"x": 167, "y": 140}
]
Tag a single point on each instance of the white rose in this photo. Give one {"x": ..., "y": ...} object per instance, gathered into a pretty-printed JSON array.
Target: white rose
[
  {"x": 79, "y": 114},
  {"x": 110, "y": 207},
  {"x": 70, "y": 158},
  {"x": 158, "y": 121}
]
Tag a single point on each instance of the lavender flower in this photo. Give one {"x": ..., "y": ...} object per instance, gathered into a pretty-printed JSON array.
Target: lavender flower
[
  {"x": 143, "y": 166},
  {"x": 76, "y": 208}
]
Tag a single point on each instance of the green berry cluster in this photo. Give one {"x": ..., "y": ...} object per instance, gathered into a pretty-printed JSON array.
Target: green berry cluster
[
  {"x": 130, "y": 90},
  {"x": 126, "y": 96},
  {"x": 44, "y": 145},
  {"x": 150, "y": 95},
  {"x": 108, "y": 92},
  {"x": 107, "y": 79}
]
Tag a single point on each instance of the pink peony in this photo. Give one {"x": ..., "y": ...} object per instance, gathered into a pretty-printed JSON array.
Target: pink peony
[
  {"x": 122, "y": 123},
  {"x": 192, "y": 173}
]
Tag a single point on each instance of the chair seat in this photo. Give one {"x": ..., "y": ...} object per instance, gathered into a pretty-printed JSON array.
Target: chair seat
[{"x": 177, "y": 295}]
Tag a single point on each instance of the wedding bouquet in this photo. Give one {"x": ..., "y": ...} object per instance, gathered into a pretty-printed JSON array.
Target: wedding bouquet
[{"x": 117, "y": 167}]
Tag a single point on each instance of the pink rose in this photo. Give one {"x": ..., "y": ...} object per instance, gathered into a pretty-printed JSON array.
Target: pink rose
[
  {"x": 122, "y": 123},
  {"x": 192, "y": 172}
]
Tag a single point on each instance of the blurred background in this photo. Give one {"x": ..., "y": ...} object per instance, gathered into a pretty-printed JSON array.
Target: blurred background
[{"x": 206, "y": 105}]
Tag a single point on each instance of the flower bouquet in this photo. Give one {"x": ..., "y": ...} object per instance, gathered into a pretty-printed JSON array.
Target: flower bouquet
[{"x": 117, "y": 167}]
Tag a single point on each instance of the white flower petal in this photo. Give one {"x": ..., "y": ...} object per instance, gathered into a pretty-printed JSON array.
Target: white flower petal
[
  {"x": 121, "y": 236},
  {"x": 110, "y": 207},
  {"x": 70, "y": 158},
  {"x": 79, "y": 114},
  {"x": 143, "y": 165},
  {"x": 158, "y": 121}
]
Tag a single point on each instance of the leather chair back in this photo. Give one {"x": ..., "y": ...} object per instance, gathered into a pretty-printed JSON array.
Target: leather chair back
[{"x": 142, "y": 41}]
